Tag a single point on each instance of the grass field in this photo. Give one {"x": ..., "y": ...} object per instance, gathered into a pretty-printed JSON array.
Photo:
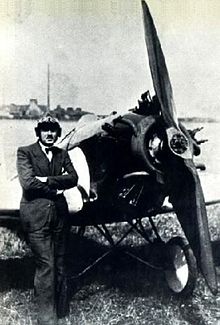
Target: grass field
[{"x": 120, "y": 291}]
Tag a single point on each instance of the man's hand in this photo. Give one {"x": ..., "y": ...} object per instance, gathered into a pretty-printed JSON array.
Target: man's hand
[{"x": 42, "y": 179}]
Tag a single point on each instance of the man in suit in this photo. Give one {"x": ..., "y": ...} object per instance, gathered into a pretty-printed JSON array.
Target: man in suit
[{"x": 44, "y": 172}]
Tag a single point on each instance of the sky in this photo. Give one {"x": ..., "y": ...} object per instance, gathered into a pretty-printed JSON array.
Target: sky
[{"x": 97, "y": 54}]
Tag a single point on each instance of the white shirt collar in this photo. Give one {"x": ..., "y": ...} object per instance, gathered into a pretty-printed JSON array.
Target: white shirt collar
[{"x": 43, "y": 148}]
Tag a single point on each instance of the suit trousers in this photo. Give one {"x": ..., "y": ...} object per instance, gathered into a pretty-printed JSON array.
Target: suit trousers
[{"x": 48, "y": 245}]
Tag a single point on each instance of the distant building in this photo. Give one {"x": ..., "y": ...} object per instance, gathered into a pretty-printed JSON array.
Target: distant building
[
  {"x": 59, "y": 112},
  {"x": 16, "y": 111},
  {"x": 30, "y": 111},
  {"x": 4, "y": 112},
  {"x": 34, "y": 111},
  {"x": 74, "y": 114}
]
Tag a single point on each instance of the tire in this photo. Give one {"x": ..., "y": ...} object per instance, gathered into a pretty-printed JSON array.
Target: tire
[{"x": 181, "y": 268}]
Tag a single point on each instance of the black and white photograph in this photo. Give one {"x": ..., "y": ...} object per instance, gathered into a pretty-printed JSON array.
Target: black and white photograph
[{"x": 109, "y": 160}]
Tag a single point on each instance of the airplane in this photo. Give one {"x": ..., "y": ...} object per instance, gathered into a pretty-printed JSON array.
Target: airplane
[{"x": 137, "y": 166}]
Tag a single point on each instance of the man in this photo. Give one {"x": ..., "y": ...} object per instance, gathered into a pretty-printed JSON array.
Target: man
[{"x": 44, "y": 172}]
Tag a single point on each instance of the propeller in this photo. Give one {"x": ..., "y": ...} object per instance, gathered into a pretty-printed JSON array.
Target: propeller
[
  {"x": 183, "y": 182},
  {"x": 177, "y": 141}
]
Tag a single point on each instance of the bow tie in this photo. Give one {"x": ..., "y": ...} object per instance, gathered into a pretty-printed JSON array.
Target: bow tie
[{"x": 52, "y": 149}]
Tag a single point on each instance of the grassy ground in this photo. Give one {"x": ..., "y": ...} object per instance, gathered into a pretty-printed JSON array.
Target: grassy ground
[{"x": 120, "y": 291}]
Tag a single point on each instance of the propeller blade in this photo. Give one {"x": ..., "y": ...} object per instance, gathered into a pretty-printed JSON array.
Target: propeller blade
[
  {"x": 163, "y": 88},
  {"x": 187, "y": 198},
  {"x": 159, "y": 72}
]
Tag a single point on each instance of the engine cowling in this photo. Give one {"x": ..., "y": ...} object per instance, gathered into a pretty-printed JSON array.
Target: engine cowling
[{"x": 148, "y": 143}]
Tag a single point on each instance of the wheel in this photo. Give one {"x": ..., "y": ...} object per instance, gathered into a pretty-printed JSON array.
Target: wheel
[{"x": 181, "y": 267}]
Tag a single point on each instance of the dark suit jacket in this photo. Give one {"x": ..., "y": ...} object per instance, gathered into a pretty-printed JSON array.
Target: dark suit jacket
[{"x": 39, "y": 199}]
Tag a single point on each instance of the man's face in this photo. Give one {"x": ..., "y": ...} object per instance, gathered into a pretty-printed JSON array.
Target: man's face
[{"x": 48, "y": 136}]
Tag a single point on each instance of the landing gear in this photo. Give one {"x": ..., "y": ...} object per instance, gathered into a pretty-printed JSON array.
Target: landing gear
[{"x": 180, "y": 268}]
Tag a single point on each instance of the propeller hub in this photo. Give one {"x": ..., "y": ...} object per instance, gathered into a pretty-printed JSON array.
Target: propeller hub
[{"x": 179, "y": 143}]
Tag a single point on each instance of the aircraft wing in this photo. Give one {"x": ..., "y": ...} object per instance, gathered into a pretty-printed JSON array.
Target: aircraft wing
[{"x": 88, "y": 126}]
